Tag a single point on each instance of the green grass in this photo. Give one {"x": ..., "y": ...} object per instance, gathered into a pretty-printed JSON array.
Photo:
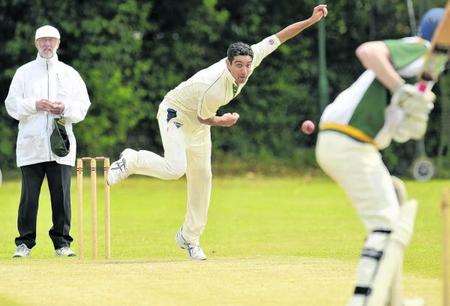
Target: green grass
[{"x": 254, "y": 224}]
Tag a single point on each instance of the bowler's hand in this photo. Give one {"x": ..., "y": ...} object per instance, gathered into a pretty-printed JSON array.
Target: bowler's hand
[
  {"x": 58, "y": 108},
  {"x": 44, "y": 105},
  {"x": 229, "y": 119},
  {"x": 319, "y": 12}
]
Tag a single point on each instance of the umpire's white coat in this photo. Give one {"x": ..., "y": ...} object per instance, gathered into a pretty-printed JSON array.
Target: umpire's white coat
[{"x": 55, "y": 81}]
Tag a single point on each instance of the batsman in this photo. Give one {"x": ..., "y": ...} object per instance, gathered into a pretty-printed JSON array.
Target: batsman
[{"x": 382, "y": 105}]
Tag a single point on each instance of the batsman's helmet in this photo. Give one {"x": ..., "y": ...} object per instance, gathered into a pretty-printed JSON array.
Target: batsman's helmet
[{"x": 429, "y": 22}]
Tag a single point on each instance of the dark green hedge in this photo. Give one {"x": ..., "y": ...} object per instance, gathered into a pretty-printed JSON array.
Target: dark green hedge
[{"x": 130, "y": 53}]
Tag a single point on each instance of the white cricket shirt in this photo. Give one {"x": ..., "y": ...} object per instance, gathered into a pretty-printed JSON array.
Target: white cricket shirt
[{"x": 211, "y": 88}]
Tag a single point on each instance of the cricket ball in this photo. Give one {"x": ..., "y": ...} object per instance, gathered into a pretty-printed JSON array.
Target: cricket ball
[{"x": 307, "y": 127}]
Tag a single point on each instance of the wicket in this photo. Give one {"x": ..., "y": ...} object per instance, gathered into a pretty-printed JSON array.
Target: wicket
[{"x": 107, "y": 201}]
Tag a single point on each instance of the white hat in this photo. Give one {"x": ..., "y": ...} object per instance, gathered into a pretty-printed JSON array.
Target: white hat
[{"x": 47, "y": 31}]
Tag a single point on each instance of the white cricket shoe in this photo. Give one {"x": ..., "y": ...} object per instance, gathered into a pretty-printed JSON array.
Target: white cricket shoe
[
  {"x": 195, "y": 252},
  {"x": 22, "y": 251},
  {"x": 65, "y": 251},
  {"x": 118, "y": 170}
]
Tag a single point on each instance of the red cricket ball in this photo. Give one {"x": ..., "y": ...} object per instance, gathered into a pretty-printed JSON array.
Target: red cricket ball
[{"x": 307, "y": 127}]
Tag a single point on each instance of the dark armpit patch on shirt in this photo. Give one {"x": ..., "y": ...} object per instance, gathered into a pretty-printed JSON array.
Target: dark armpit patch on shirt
[{"x": 171, "y": 113}]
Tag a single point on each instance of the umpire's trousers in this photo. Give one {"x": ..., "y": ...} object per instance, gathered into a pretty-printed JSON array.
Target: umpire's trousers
[{"x": 58, "y": 178}]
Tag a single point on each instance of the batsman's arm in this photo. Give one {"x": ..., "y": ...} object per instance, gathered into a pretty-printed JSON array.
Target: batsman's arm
[
  {"x": 375, "y": 56},
  {"x": 294, "y": 29}
]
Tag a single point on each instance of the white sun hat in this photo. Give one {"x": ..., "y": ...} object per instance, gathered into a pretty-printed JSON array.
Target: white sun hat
[{"x": 47, "y": 31}]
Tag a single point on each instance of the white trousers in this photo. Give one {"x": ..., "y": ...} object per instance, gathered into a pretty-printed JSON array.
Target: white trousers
[
  {"x": 187, "y": 150},
  {"x": 358, "y": 168}
]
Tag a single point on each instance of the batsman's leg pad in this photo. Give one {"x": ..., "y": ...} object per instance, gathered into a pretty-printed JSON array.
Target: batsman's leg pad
[
  {"x": 379, "y": 269},
  {"x": 400, "y": 190},
  {"x": 396, "y": 290},
  {"x": 368, "y": 266},
  {"x": 405, "y": 227},
  {"x": 388, "y": 271}
]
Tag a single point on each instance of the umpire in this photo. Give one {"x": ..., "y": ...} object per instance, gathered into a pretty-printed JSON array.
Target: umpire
[{"x": 46, "y": 96}]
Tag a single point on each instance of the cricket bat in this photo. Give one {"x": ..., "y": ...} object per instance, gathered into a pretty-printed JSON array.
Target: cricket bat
[{"x": 438, "y": 55}]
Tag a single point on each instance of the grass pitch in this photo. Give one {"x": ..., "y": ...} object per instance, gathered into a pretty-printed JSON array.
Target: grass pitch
[{"x": 270, "y": 241}]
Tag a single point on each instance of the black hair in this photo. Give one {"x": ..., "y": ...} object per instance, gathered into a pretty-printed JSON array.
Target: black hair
[{"x": 238, "y": 48}]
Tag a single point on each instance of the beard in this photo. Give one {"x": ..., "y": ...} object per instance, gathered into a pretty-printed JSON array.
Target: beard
[{"x": 47, "y": 54}]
